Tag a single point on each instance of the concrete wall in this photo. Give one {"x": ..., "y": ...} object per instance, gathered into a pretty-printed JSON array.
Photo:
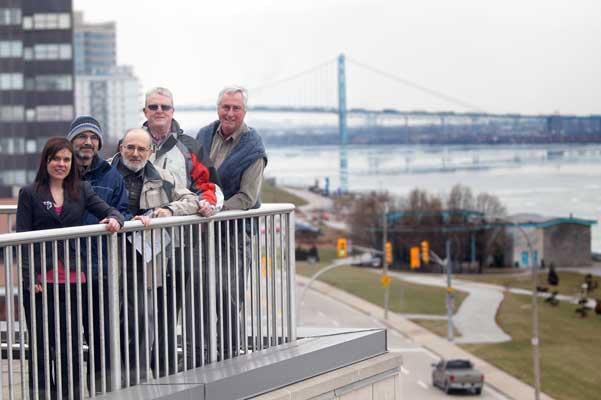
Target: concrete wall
[
  {"x": 567, "y": 245},
  {"x": 518, "y": 239},
  {"x": 374, "y": 379}
]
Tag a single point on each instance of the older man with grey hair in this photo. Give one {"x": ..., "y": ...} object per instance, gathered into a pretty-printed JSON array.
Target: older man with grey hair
[
  {"x": 236, "y": 150},
  {"x": 238, "y": 153}
]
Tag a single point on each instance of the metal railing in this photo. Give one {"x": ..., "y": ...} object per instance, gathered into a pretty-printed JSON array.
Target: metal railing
[{"x": 144, "y": 302}]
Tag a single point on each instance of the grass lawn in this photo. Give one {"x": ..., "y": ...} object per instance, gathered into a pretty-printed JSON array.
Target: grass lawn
[
  {"x": 570, "y": 348},
  {"x": 569, "y": 282},
  {"x": 439, "y": 327},
  {"x": 404, "y": 297},
  {"x": 274, "y": 194}
]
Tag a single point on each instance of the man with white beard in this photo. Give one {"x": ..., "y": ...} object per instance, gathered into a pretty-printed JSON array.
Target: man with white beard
[{"x": 153, "y": 193}]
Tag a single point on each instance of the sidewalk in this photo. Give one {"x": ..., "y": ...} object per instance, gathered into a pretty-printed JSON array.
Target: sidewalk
[
  {"x": 475, "y": 319},
  {"x": 501, "y": 381}
]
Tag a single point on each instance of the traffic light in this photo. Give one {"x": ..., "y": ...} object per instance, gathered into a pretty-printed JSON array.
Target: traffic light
[
  {"x": 388, "y": 253},
  {"x": 341, "y": 248},
  {"x": 414, "y": 262},
  {"x": 425, "y": 251}
]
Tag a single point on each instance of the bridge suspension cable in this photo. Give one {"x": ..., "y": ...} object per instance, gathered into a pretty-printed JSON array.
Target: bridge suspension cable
[{"x": 435, "y": 93}]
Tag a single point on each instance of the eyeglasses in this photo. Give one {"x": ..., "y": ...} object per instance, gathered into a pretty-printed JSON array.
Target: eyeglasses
[
  {"x": 130, "y": 148},
  {"x": 154, "y": 107}
]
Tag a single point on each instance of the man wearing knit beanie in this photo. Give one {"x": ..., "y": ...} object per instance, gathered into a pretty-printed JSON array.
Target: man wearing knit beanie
[{"x": 86, "y": 136}]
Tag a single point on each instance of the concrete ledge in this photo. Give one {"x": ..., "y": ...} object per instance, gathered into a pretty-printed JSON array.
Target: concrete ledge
[
  {"x": 264, "y": 371},
  {"x": 378, "y": 375}
]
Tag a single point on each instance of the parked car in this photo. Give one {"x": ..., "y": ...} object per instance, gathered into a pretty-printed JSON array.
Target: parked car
[
  {"x": 369, "y": 260},
  {"x": 457, "y": 375}
]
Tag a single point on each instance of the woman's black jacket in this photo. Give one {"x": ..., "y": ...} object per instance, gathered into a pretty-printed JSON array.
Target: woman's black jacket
[{"x": 35, "y": 211}]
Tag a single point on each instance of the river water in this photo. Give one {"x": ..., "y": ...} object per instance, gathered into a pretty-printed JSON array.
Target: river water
[{"x": 550, "y": 180}]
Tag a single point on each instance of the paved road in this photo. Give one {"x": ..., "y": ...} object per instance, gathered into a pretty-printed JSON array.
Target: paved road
[{"x": 319, "y": 310}]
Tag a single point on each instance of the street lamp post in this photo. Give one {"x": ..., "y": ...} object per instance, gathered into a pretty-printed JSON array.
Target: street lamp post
[{"x": 535, "y": 338}]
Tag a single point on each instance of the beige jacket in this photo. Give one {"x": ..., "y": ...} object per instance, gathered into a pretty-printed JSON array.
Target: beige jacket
[{"x": 162, "y": 189}]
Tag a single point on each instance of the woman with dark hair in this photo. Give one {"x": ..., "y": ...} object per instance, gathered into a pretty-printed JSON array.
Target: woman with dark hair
[{"x": 56, "y": 199}]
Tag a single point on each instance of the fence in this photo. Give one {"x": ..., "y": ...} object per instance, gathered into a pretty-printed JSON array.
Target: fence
[{"x": 142, "y": 303}]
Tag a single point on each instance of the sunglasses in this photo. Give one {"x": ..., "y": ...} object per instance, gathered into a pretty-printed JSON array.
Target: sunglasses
[{"x": 154, "y": 107}]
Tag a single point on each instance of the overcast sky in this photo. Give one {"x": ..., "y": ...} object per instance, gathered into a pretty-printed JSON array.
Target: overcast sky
[{"x": 525, "y": 56}]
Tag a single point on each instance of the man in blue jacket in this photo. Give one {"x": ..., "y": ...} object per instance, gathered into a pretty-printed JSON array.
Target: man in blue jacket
[{"x": 86, "y": 136}]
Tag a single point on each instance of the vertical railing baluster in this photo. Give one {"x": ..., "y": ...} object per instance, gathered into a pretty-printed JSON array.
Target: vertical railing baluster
[
  {"x": 220, "y": 316},
  {"x": 113, "y": 287},
  {"x": 57, "y": 314},
  {"x": 237, "y": 256},
  {"x": 282, "y": 279},
  {"x": 274, "y": 316},
  {"x": 80, "y": 321},
  {"x": 91, "y": 320},
  {"x": 183, "y": 274},
  {"x": 155, "y": 302},
  {"x": 102, "y": 312},
  {"x": 10, "y": 318},
  {"x": 259, "y": 291},
  {"x": 45, "y": 317},
  {"x": 201, "y": 297},
  {"x": 21, "y": 322},
  {"x": 124, "y": 310},
  {"x": 192, "y": 311},
  {"x": 228, "y": 286},
  {"x": 212, "y": 328},
  {"x": 244, "y": 283},
  {"x": 173, "y": 312},
  {"x": 291, "y": 279},
  {"x": 69, "y": 327}
]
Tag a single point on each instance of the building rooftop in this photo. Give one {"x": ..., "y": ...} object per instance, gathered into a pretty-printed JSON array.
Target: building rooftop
[{"x": 544, "y": 221}]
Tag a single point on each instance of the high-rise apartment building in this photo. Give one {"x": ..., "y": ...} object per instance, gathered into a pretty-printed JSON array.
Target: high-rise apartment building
[
  {"x": 36, "y": 83},
  {"x": 95, "y": 46},
  {"x": 113, "y": 99},
  {"x": 104, "y": 90}
]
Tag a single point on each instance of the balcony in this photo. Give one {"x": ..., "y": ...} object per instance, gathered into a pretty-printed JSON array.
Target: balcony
[{"x": 188, "y": 307}]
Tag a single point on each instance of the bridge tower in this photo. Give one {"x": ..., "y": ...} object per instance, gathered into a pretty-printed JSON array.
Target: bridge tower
[{"x": 342, "y": 127}]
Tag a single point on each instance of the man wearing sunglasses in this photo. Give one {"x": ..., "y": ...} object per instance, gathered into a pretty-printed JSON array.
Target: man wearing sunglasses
[{"x": 185, "y": 158}]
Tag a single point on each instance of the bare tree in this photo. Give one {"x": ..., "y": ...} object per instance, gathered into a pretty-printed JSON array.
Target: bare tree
[
  {"x": 461, "y": 198},
  {"x": 365, "y": 218},
  {"x": 490, "y": 205}
]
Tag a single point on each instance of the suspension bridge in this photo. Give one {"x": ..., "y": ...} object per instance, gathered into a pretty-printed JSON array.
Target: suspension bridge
[{"x": 420, "y": 114}]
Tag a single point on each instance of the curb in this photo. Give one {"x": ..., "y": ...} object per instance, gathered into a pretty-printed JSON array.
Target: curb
[{"x": 496, "y": 378}]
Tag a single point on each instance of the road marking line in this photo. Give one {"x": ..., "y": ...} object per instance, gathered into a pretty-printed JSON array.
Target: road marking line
[
  {"x": 321, "y": 314},
  {"x": 336, "y": 324},
  {"x": 422, "y": 384},
  {"x": 404, "y": 370}
]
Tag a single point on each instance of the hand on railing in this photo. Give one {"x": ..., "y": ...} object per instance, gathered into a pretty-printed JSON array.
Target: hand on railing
[
  {"x": 205, "y": 209},
  {"x": 144, "y": 219},
  {"x": 112, "y": 225}
]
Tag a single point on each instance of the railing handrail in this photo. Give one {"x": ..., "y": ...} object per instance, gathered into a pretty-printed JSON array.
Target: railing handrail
[
  {"x": 8, "y": 209},
  {"x": 8, "y": 239}
]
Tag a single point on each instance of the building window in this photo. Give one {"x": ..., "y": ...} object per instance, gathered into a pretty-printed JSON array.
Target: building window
[
  {"x": 43, "y": 83},
  {"x": 11, "y": 49},
  {"x": 27, "y": 23},
  {"x": 10, "y": 16},
  {"x": 47, "y": 21},
  {"x": 53, "y": 113},
  {"x": 12, "y": 81},
  {"x": 12, "y": 113},
  {"x": 30, "y": 146},
  {"x": 50, "y": 52}
]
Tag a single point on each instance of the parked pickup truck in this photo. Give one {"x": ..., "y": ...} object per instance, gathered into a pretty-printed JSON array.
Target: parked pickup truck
[{"x": 457, "y": 375}]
